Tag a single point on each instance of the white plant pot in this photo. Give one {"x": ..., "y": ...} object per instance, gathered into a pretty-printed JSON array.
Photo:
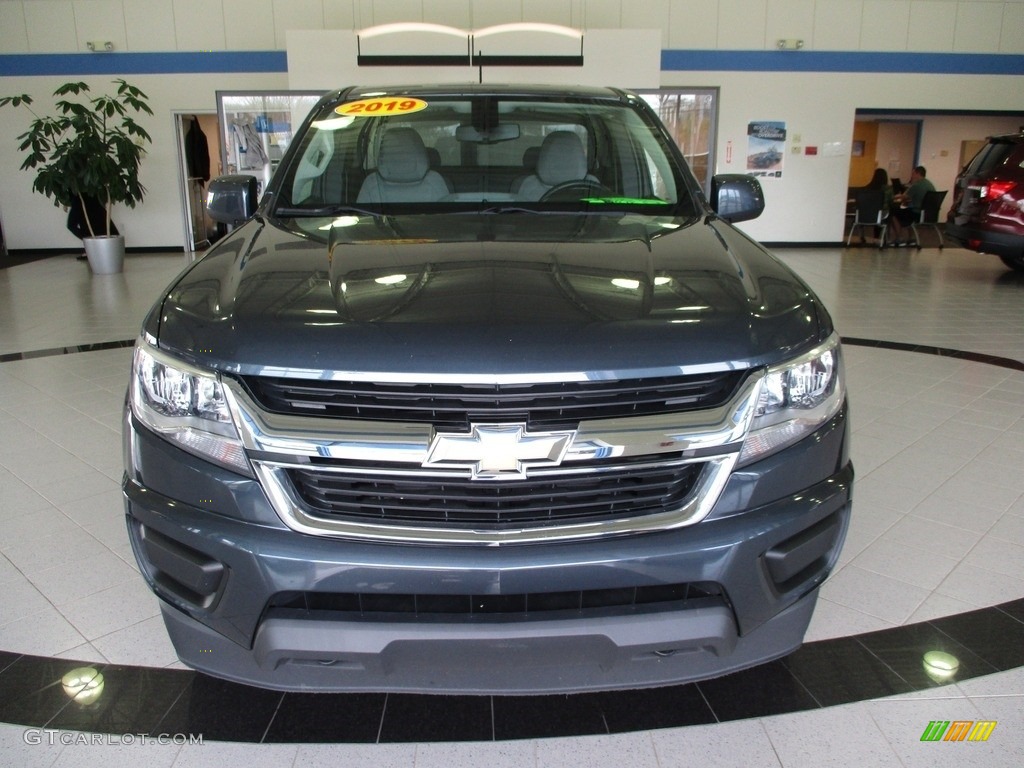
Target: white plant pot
[{"x": 106, "y": 254}]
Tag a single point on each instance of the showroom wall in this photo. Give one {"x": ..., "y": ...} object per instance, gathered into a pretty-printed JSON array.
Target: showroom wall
[
  {"x": 965, "y": 55},
  {"x": 808, "y": 203}
]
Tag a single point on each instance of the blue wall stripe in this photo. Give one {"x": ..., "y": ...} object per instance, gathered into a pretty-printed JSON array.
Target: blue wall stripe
[
  {"x": 164, "y": 63},
  {"x": 184, "y": 62},
  {"x": 843, "y": 61}
]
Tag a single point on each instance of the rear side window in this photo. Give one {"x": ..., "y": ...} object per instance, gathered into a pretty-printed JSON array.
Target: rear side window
[{"x": 990, "y": 157}]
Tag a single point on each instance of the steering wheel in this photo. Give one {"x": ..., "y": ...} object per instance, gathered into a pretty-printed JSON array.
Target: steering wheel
[{"x": 571, "y": 191}]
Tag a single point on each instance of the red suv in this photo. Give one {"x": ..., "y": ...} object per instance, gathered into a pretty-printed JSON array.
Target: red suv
[{"x": 988, "y": 211}]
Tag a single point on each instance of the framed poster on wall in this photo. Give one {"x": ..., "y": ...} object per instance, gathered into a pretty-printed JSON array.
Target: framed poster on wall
[{"x": 766, "y": 144}]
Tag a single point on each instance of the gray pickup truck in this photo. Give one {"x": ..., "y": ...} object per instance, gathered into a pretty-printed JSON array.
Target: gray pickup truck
[{"x": 484, "y": 395}]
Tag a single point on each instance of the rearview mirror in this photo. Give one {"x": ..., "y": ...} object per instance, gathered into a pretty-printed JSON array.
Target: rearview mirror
[{"x": 502, "y": 132}]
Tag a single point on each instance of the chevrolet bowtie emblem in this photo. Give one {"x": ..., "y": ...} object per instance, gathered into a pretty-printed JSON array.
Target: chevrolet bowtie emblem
[{"x": 498, "y": 451}]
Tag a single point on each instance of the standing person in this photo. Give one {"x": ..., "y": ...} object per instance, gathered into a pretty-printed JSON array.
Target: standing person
[
  {"x": 907, "y": 205},
  {"x": 80, "y": 217}
]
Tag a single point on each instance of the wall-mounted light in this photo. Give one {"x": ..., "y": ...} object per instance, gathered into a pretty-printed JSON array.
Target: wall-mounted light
[
  {"x": 789, "y": 44},
  {"x": 411, "y": 43},
  {"x": 550, "y": 29},
  {"x": 100, "y": 46},
  {"x": 504, "y": 45},
  {"x": 523, "y": 44}
]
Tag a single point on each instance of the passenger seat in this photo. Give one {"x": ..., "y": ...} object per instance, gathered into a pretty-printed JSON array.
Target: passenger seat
[{"x": 403, "y": 172}]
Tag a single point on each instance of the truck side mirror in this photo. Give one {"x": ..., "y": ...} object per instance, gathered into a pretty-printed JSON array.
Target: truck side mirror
[
  {"x": 736, "y": 197},
  {"x": 232, "y": 199}
]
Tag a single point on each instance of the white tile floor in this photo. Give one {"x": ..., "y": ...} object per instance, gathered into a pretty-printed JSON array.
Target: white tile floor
[{"x": 938, "y": 526}]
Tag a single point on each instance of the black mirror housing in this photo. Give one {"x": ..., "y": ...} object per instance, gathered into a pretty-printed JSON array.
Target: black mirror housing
[
  {"x": 737, "y": 197},
  {"x": 232, "y": 199}
]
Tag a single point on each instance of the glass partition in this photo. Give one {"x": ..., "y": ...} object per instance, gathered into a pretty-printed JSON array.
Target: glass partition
[{"x": 257, "y": 126}]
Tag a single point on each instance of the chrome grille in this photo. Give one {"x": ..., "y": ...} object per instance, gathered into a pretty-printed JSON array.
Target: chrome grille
[
  {"x": 632, "y": 489},
  {"x": 373, "y": 474},
  {"x": 538, "y": 405}
]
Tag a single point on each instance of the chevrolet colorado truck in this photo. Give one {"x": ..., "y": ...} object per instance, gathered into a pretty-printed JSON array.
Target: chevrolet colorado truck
[{"x": 485, "y": 395}]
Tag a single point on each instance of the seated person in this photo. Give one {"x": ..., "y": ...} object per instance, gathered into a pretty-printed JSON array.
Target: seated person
[
  {"x": 907, "y": 205},
  {"x": 880, "y": 180}
]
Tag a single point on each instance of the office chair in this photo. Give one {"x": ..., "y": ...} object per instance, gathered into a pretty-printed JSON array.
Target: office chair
[
  {"x": 929, "y": 216},
  {"x": 869, "y": 212}
]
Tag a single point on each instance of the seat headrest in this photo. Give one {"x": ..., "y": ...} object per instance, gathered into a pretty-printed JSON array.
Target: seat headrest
[
  {"x": 561, "y": 158},
  {"x": 403, "y": 157}
]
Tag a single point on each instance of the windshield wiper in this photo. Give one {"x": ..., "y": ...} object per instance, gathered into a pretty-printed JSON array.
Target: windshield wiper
[
  {"x": 505, "y": 209},
  {"x": 585, "y": 206},
  {"x": 558, "y": 209}
]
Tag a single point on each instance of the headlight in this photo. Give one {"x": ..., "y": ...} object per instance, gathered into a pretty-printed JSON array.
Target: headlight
[
  {"x": 187, "y": 406},
  {"x": 795, "y": 399}
]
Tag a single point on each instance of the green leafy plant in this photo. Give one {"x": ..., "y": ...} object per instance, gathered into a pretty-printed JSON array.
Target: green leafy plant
[{"x": 91, "y": 147}]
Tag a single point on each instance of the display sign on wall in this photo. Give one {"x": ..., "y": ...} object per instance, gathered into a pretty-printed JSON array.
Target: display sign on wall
[{"x": 766, "y": 143}]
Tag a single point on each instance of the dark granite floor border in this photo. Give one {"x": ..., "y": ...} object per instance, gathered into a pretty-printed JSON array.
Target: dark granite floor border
[
  {"x": 11, "y": 357},
  {"x": 183, "y": 703},
  {"x": 956, "y": 354}
]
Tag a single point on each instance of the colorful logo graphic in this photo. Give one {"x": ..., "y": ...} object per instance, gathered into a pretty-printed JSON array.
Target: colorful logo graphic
[{"x": 958, "y": 730}]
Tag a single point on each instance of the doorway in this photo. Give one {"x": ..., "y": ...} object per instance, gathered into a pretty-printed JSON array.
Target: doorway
[
  {"x": 198, "y": 161},
  {"x": 944, "y": 141},
  {"x": 969, "y": 148},
  {"x": 898, "y": 148},
  {"x": 892, "y": 145}
]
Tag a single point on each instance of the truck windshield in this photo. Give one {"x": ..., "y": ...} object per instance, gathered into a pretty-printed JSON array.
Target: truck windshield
[{"x": 397, "y": 154}]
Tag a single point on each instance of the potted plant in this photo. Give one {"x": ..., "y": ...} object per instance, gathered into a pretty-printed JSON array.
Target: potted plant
[{"x": 89, "y": 152}]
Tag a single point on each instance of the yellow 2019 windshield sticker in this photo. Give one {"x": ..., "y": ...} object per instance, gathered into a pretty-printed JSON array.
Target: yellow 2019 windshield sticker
[{"x": 382, "y": 107}]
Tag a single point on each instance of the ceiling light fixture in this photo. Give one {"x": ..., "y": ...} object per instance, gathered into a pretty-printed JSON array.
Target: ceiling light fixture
[
  {"x": 526, "y": 26},
  {"x": 410, "y": 26}
]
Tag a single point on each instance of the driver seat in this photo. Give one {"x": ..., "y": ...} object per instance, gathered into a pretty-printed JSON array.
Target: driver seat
[{"x": 561, "y": 159}]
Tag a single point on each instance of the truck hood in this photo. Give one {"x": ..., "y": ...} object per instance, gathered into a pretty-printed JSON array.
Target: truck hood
[{"x": 488, "y": 294}]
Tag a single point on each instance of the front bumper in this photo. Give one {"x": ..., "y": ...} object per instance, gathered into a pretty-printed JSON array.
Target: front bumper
[
  {"x": 246, "y": 598},
  {"x": 572, "y": 656}
]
